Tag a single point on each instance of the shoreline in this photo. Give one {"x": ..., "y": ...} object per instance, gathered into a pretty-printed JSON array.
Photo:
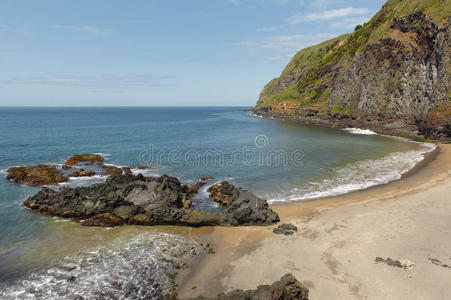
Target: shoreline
[
  {"x": 428, "y": 158},
  {"x": 239, "y": 250},
  {"x": 380, "y": 127}
]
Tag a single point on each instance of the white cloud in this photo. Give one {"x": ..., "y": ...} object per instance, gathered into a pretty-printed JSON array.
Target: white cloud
[
  {"x": 283, "y": 47},
  {"x": 270, "y": 29},
  {"x": 328, "y": 15},
  {"x": 84, "y": 28},
  {"x": 349, "y": 23},
  {"x": 7, "y": 28},
  {"x": 323, "y": 4},
  {"x": 100, "y": 81}
]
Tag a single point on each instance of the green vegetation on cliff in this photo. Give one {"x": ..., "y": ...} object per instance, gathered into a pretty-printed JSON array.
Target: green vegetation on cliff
[
  {"x": 312, "y": 56},
  {"x": 302, "y": 66}
]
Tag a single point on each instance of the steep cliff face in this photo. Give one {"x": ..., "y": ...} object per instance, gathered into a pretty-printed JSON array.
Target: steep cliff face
[
  {"x": 393, "y": 74},
  {"x": 403, "y": 74}
]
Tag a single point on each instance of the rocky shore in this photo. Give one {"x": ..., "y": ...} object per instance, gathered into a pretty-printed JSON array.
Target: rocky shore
[
  {"x": 79, "y": 165},
  {"x": 393, "y": 127},
  {"x": 287, "y": 288},
  {"x": 130, "y": 199}
]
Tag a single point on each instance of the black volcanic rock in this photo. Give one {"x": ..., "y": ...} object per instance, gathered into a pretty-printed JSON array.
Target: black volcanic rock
[
  {"x": 287, "y": 288},
  {"x": 130, "y": 199},
  {"x": 242, "y": 207}
]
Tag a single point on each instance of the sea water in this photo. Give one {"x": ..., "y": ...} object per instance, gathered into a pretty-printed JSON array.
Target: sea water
[{"x": 277, "y": 160}]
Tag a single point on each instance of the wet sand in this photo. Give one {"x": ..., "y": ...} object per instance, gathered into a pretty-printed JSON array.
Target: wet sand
[{"x": 334, "y": 251}]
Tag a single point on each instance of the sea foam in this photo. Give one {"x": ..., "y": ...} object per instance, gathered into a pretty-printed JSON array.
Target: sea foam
[
  {"x": 254, "y": 115},
  {"x": 360, "y": 131},
  {"x": 139, "y": 268},
  {"x": 84, "y": 181},
  {"x": 103, "y": 154},
  {"x": 360, "y": 175}
]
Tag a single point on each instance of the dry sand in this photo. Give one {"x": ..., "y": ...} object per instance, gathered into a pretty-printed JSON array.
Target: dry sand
[{"x": 334, "y": 251}]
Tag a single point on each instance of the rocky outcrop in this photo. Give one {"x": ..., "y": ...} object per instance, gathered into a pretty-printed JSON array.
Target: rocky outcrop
[
  {"x": 41, "y": 175},
  {"x": 222, "y": 193},
  {"x": 37, "y": 175},
  {"x": 87, "y": 159},
  {"x": 130, "y": 199},
  {"x": 390, "y": 74},
  {"x": 82, "y": 173},
  {"x": 242, "y": 207},
  {"x": 193, "y": 189},
  {"x": 287, "y": 288}
]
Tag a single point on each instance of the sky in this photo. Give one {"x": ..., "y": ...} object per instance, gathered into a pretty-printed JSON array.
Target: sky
[{"x": 165, "y": 53}]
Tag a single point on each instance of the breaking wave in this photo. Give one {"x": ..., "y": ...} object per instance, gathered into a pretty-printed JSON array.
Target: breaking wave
[
  {"x": 84, "y": 181},
  {"x": 142, "y": 268},
  {"x": 359, "y": 131},
  {"x": 359, "y": 175}
]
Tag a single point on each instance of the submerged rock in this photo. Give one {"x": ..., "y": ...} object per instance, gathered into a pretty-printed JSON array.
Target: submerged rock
[
  {"x": 127, "y": 170},
  {"x": 285, "y": 229},
  {"x": 87, "y": 159},
  {"x": 142, "y": 167},
  {"x": 287, "y": 288},
  {"x": 40, "y": 175},
  {"x": 36, "y": 175},
  {"x": 192, "y": 190},
  {"x": 130, "y": 199},
  {"x": 112, "y": 170},
  {"x": 82, "y": 173}
]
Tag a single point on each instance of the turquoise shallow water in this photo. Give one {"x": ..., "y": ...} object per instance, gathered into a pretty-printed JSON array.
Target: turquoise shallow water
[{"x": 280, "y": 161}]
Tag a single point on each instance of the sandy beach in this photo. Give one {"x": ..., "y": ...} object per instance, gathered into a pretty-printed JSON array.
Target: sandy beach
[{"x": 334, "y": 251}]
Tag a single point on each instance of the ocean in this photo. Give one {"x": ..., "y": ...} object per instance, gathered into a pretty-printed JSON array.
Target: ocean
[{"x": 46, "y": 257}]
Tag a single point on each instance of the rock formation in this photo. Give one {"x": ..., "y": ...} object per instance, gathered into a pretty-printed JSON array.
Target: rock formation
[
  {"x": 130, "y": 199},
  {"x": 390, "y": 75},
  {"x": 37, "y": 175},
  {"x": 287, "y": 288},
  {"x": 82, "y": 173},
  {"x": 242, "y": 207},
  {"x": 87, "y": 159},
  {"x": 40, "y": 175}
]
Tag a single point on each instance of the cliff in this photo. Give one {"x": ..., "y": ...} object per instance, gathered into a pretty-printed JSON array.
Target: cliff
[{"x": 391, "y": 75}]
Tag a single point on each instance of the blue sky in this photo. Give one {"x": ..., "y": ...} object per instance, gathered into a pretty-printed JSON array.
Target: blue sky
[{"x": 168, "y": 52}]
